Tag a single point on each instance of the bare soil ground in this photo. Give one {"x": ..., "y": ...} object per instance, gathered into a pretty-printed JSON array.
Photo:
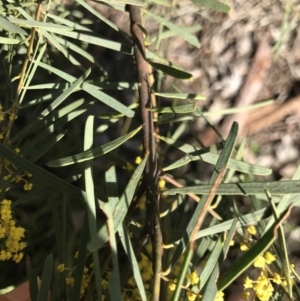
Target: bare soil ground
[{"x": 248, "y": 56}]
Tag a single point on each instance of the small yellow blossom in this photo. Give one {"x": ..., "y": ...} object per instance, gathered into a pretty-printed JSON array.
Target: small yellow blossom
[
  {"x": 5, "y": 178},
  {"x": 6, "y": 202},
  {"x": 248, "y": 283},
  {"x": 244, "y": 247},
  {"x": 260, "y": 262},
  {"x": 8, "y": 255},
  {"x": 2, "y": 255},
  {"x": 104, "y": 284},
  {"x": 138, "y": 160},
  {"x": 245, "y": 295},
  {"x": 61, "y": 267},
  {"x": 12, "y": 116},
  {"x": 17, "y": 150},
  {"x": 193, "y": 278},
  {"x": 263, "y": 288},
  {"x": 231, "y": 243},
  {"x": 70, "y": 281},
  {"x": 18, "y": 179},
  {"x": 161, "y": 184},
  {"x": 191, "y": 296},
  {"x": 2, "y": 231},
  {"x": 22, "y": 245},
  {"x": 136, "y": 294},
  {"x": 276, "y": 278},
  {"x": 220, "y": 296},
  {"x": 251, "y": 230},
  {"x": 172, "y": 286},
  {"x": 269, "y": 257},
  {"x": 1, "y": 116},
  {"x": 27, "y": 186},
  {"x": 18, "y": 257}
]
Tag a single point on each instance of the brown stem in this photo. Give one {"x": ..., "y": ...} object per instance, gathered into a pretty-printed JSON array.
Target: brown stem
[{"x": 149, "y": 147}]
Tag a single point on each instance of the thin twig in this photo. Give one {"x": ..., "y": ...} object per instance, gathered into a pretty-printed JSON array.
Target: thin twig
[
  {"x": 206, "y": 206},
  {"x": 149, "y": 146},
  {"x": 191, "y": 195}
]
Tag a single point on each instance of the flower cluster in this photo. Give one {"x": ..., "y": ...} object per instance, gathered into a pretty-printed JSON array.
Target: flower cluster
[
  {"x": 193, "y": 281},
  {"x": 3, "y": 117},
  {"x": 11, "y": 234},
  {"x": 11, "y": 116},
  {"x": 86, "y": 277},
  {"x": 263, "y": 285},
  {"x": 192, "y": 287},
  {"x": 10, "y": 170}
]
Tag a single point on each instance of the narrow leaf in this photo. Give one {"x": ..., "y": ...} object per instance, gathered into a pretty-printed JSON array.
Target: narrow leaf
[
  {"x": 51, "y": 142},
  {"x": 8, "y": 26},
  {"x": 91, "y": 39},
  {"x": 195, "y": 153},
  {"x": 166, "y": 3},
  {"x": 89, "y": 182},
  {"x": 46, "y": 25},
  {"x": 90, "y": 197},
  {"x": 125, "y": 239},
  {"x": 191, "y": 96},
  {"x": 178, "y": 109},
  {"x": 114, "y": 281},
  {"x": 99, "y": 95},
  {"x": 80, "y": 262},
  {"x": 53, "y": 121},
  {"x": 97, "y": 14},
  {"x": 32, "y": 71},
  {"x": 130, "y": 2},
  {"x": 64, "y": 95},
  {"x": 285, "y": 264},
  {"x": 121, "y": 208},
  {"x": 211, "y": 263},
  {"x": 9, "y": 41},
  {"x": 46, "y": 279},
  {"x": 214, "y": 5},
  {"x": 178, "y": 30},
  {"x": 112, "y": 186},
  {"x": 94, "y": 153},
  {"x": 33, "y": 281},
  {"x": 172, "y": 71},
  {"x": 254, "y": 188},
  {"x": 170, "y": 34},
  {"x": 283, "y": 202}
]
